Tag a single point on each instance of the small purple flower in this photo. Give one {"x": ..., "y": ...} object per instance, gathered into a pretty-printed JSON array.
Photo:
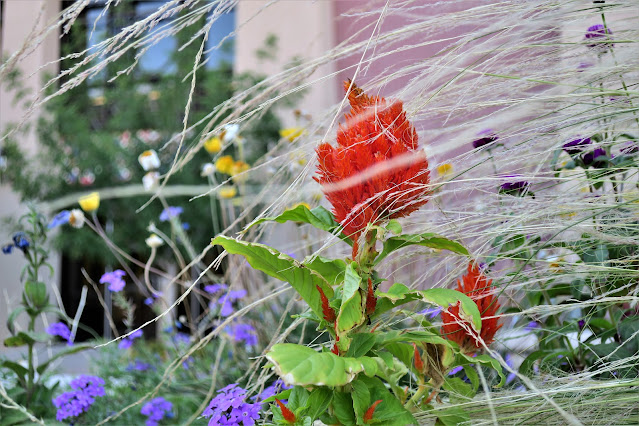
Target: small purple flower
[
  {"x": 244, "y": 333},
  {"x": 229, "y": 408},
  {"x": 156, "y": 410},
  {"x": 581, "y": 324},
  {"x": 148, "y": 301},
  {"x": 170, "y": 212},
  {"x": 127, "y": 342},
  {"x": 214, "y": 288},
  {"x": 182, "y": 338},
  {"x": 576, "y": 146},
  {"x": 269, "y": 391},
  {"x": 114, "y": 279},
  {"x": 7, "y": 248},
  {"x": 91, "y": 385},
  {"x": 78, "y": 401},
  {"x": 509, "y": 362},
  {"x": 140, "y": 365},
  {"x": 186, "y": 226},
  {"x": 59, "y": 219},
  {"x": 515, "y": 187},
  {"x": 487, "y": 138},
  {"x": 596, "y": 158},
  {"x": 430, "y": 312},
  {"x": 455, "y": 370},
  {"x": 600, "y": 36},
  {"x": 60, "y": 329},
  {"x": 20, "y": 240},
  {"x": 532, "y": 325}
]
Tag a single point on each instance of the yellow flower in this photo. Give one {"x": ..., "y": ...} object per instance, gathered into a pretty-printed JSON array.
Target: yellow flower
[
  {"x": 213, "y": 145},
  {"x": 99, "y": 100},
  {"x": 301, "y": 204},
  {"x": 90, "y": 202},
  {"x": 154, "y": 95},
  {"x": 239, "y": 167},
  {"x": 445, "y": 169},
  {"x": 292, "y": 133},
  {"x": 227, "y": 192},
  {"x": 225, "y": 164}
]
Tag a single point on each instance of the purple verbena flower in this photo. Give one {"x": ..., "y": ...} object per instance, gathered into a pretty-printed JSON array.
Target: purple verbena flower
[
  {"x": 229, "y": 408},
  {"x": 214, "y": 288},
  {"x": 487, "y": 138},
  {"x": 78, "y": 401},
  {"x": 60, "y": 329},
  {"x": 170, "y": 212},
  {"x": 275, "y": 388},
  {"x": 581, "y": 324},
  {"x": 244, "y": 333},
  {"x": 600, "y": 36},
  {"x": 59, "y": 219},
  {"x": 156, "y": 410},
  {"x": 114, "y": 279},
  {"x": 127, "y": 342},
  {"x": 515, "y": 187},
  {"x": 455, "y": 370},
  {"x": 91, "y": 385},
  {"x": 140, "y": 365},
  {"x": 430, "y": 312},
  {"x": 576, "y": 146}
]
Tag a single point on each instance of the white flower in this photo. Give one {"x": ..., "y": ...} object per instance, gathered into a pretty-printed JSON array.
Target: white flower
[
  {"x": 76, "y": 218},
  {"x": 151, "y": 181},
  {"x": 229, "y": 132},
  {"x": 154, "y": 241},
  {"x": 207, "y": 169},
  {"x": 149, "y": 160}
]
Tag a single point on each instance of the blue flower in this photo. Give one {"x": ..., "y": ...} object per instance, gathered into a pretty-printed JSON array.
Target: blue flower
[
  {"x": 59, "y": 219},
  {"x": 214, "y": 288},
  {"x": 186, "y": 226},
  {"x": 20, "y": 240},
  {"x": 170, "y": 212},
  {"x": 269, "y": 391},
  {"x": 244, "y": 333},
  {"x": 148, "y": 301},
  {"x": 140, "y": 365},
  {"x": 229, "y": 407},
  {"x": 114, "y": 279},
  {"x": 80, "y": 399},
  {"x": 60, "y": 329},
  {"x": 156, "y": 410},
  {"x": 7, "y": 248}
]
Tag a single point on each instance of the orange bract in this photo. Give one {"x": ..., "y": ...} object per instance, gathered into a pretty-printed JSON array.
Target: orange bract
[
  {"x": 376, "y": 172},
  {"x": 476, "y": 286}
]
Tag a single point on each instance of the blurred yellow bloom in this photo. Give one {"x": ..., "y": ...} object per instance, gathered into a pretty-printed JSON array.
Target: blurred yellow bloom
[
  {"x": 301, "y": 204},
  {"x": 568, "y": 215},
  {"x": 154, "y": 95},
  {"x": 292, "y": 133},
  {"x": 90, "y": 202},
  {"x": 227, "y": 192},
  {"x": 445, "y": 169},
  {"x": 239, "y": 167},
  {"x": 213, "y": 145},
  {"x": 99, "y": 100},
  {"x": 225, "y": 164}
]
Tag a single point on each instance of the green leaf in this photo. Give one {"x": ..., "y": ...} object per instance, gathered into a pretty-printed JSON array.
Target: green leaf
[
  {"x": 318, "y": 402},
  {"x": 459, "y": 390},
  {"x": 301, "y": 365},
  {"x": 318, "y": 217},
  {"x": 12, "y": 317},
  {"x": 390, "y": 410},
  {"x": 361, "y": 399},
  {"x": 425, "y": 240},
  {"x": 285, "y": 394},
  {"x": 72, "y": 350},
  {"x": 361, "y": 343},
  {"x": 26, "y": 338},
  {"x": 399, "y": 294},
  {"x": 453, "y": 416},
  {"x": 20, "y": 371},
  {"x": 282, "y": 267},
  {"x": 343, "y": 408},
  {"x": 351, "y": 313},
  {"x": 332, "y": 270},
  {"x": 387, "y": 357},
  {"x": 463, "y": 359},
  {"x": 472, "y": 375},
  {"x": 394, "y": 226},
  {"x": 298, "y": 398}
]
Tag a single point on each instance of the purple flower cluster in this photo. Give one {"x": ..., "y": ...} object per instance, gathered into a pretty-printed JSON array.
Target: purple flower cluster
[
  {"x": 80, "y": 399},
  {"x": 127, "y": 342},
  {"x": 140, "y": 365},
  {"x": 170, "y": 212},
  {"x": 597, "y": 158},
  {"x": 114, "y": 279},
  {"x": 226, "y": 301},
  {"x": 229, "y": 407},
  {"x": 487, "y": 138},
  {"x": 62, "y": 330},
  {"x": 272, "y": 390},
  {"x": 215, "y": 288},
  {"x": 156, "y": 410},
  {"x": 243, "y": 333}
]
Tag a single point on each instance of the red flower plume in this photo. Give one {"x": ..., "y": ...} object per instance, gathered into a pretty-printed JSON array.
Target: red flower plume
[
  {"x": 475, "y": 285},
  {"x": 376, "y": 172}
]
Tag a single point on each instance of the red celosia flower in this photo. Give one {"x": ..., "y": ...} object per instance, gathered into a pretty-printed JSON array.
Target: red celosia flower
[
  {"x": 368, "y": 416},
  {"x": 288, "y": 415},
  {"x": 475, "y": 285},
  {"x": 327, "y": 310},
  {"x": 376, "y": 172}
]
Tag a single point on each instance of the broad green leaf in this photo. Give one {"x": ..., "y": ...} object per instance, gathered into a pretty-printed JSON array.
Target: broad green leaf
[
  {"x": 343, "y": 408},
  {"x": 350, "y": 313},
  {"x": 12, "y": 317},
  {"x": 361, "y": 343},
  {"x": 318, "y": 217},
  {"x": 72, "y": 350},
  {"x": 387, "y": 357},
  {"x": 453, "y": 416},
  {"x": 280, "y": 266},
  {"x": 361, "y": 399},
  {"x": 298, "y": 398},
  {"x": 390, "y": 410},
  {"x": 20, "y": 371},
  {"x": 463, "y": 359},
  {"x": 285, "y": 394},
  {"x": 301, "y": 365},
  {"x": 425, "y": 240},
  {"x": 460, "y": 391},
  {"x": 472, "y": 375},
  {"x": 399, "y": 294},
  {"x": 332, "y": 270},
  {"x": 318, "y": 402}
]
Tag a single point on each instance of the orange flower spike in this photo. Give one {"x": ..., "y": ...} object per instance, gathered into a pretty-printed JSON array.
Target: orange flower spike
[
  {"x": 479, "y": 288},
  {"x": 327, "y": 310},
  {"x": 286, "y": 413},
  {"x": 376, "y": 172},
  {"x": 368, "y": 416},
  {"x": 417, "y": 359},
  {"x": 371, "y": 300},
  {"x": 335, "y": 349}
]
